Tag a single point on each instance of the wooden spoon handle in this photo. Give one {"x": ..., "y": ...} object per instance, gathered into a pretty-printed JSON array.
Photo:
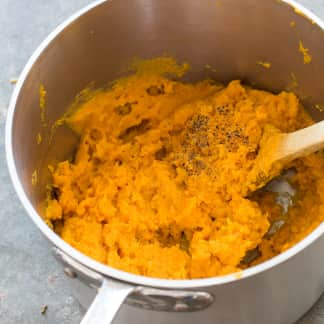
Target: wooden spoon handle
[{"x": 301, "y": 143}]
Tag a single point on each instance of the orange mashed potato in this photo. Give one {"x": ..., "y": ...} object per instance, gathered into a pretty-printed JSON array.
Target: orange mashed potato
[{"x": 155, "y": 187}]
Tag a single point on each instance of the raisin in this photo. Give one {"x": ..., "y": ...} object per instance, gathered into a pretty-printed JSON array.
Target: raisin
[
  {"x": 123, "y": 110},
  {"x": 161, "y": 153},
  {"x": 129, "y": 133},
  {"x": 55, "y": 193},
  {"x": 155, "y": 90},
  {"x": 184, "y": 242},
  {"x": 95, "y": 135}
]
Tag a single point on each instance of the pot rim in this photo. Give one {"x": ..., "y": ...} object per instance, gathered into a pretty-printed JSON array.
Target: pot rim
[{"x": 105, "y": 269}]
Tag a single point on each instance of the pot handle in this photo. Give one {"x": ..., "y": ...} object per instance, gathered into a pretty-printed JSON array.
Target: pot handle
[
  {"x": 107, "y": 303},
  {"x": 111, "y": 293}
]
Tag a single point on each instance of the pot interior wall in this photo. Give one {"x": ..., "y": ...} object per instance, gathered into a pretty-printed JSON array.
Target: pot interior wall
[{"x": 231, "y": 36}]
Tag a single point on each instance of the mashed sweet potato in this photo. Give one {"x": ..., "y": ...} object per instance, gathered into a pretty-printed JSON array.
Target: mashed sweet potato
[{"x": 156, "y": 185}]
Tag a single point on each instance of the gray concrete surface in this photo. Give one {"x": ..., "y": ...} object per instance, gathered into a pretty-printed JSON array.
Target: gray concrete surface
[{"x": 29, "y": 276}]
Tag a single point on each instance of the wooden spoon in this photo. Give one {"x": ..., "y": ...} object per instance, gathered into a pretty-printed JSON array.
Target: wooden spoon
[{"x": 278, "y": 149}]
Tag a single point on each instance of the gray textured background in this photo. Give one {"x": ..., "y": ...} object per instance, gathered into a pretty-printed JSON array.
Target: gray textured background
[{"x": 29, "y": 276}]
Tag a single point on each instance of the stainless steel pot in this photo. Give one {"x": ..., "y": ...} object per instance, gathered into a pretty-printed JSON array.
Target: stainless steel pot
[{"x": 230, "y": 35}]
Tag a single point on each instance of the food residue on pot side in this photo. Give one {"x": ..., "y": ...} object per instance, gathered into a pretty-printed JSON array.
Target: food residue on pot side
[
  {"x": 266, "y": 65},
  {"x": 157, "y": 186},
  {"x": 39, "y": 138},
  {"x": 319, "y": 107},
  {"x": 210, "y": 68},
  {"x": 42, "y": 102},
  {"x": 305, "y": 51},
  {"x": 294, "y": 83},
  {"x": 302, "y": 14},
  {"x": 34, "y": 179}
]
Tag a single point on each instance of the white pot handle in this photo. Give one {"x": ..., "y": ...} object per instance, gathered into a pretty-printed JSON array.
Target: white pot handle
[
  {"x": 107, "y": 303},
  {"x": 110, "y": 295},
  {"x": 113, "y": 293}
]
